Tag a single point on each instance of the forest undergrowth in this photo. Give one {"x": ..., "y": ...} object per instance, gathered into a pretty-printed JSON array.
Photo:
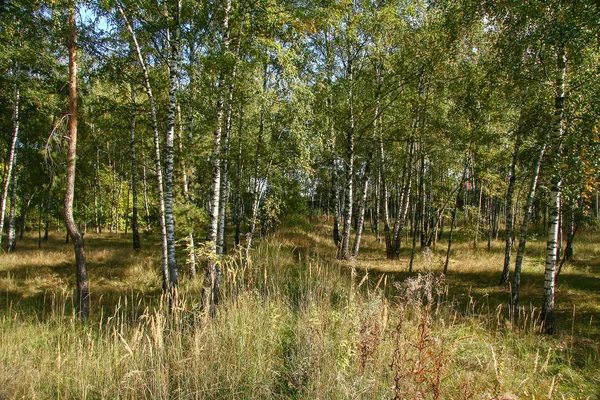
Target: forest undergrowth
[{"x": 298, "y": 324}]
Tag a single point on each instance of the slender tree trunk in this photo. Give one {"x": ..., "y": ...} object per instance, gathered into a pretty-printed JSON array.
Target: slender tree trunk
[
  {"x": 239, "y": 205},
  {"x": 191, "y": 259},
  {"x": 24, "y": 212},
  {"x": 126, "y": 215},
  {"x": 210, "y": 291},
  {"x": 376, "y": 206},
  {"x": 567, "y": 256},
  {"x": 421, "y": 207},
  {"x": 385, "y": 195},
  {"x": 48, "y": 207},
  {"x": 82, "y": 279},
  {"x": 415, "y": 228},
  {"x": 516, "y": 285},
  {"x": 137, "y": 244},
  {"x": 555, "y": 197},
  {"x": 453, "y": 221},
  {"x": 113, "y": 205},
  {"x": 224, "y": 195},
  {"x": 144, "y": 189},
  {"x": 334, "y": 192},
  {"x": 12, "y": 226},
  {"x": 490, "y": 220},
  {"x": 118, "y": 205},
  {"x": 257, "y": 190},
  {"x": 11, "y": 158},
  {"x": 402, "y": 205},
  {"x": 96, "y": 190},
  {"x": 350, "y": 153},
  {"x": 510, "y": 195},
  {"x": 170, "y": 140},
  {"x": 478, "y": 216},
  {"x": 157, "y": 156},
  {"x": 40, "y": 225},
  {"x": 362, "y": 207}
]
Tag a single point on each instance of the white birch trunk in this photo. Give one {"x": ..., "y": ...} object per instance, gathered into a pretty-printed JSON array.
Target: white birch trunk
[
  {"x": 11, "y": 159},
  {"x": 555, "y": 198}
]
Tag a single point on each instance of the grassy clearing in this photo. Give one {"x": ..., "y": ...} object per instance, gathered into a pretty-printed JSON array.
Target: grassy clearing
[{"x": 309, "y": 327}]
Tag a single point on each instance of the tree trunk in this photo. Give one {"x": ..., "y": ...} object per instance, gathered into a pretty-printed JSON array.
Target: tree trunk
[
  {"x": 170, "y": 154},
  {"x": 402, "y": 204},
  {"x": 516, "y": 285},
  {"x": 113, "y": 205},
  {"x": 137, "y": 244},
  {"x": 238, "y": 203},
  {"x": 422, "y": 209},
  {"x": 385, "y": 196},
  {"x": 144, "y": 189},
  {"x": 555, "y": 197},
  {"x": 334, "y": 192},
  {"x": 157, "y": 156},
  {"x": 510, "y": 194},
  {"x": 453, "y": 222},
  {"x": 376, "y": 207},
  {"x": 12, "y": 226},
  {"x": 224, "y": 195},
  {"x": 81, "y": 273},
  {"x": 11, "y": 158},
  {"x": 362, "y": 206},
  {"x": 210, "y": 291},
  {"x": 191, "y": 259},
  {"x": 97, "y": 190},
  {"x": 350, "y": 153},
  {"x": 478, "y": 216},
  {"x": 24, "y": 212},
  {"x": 118, "y": 206},
  {"x": 48, "y": 208},
  {"x": 40, "y": 225}
]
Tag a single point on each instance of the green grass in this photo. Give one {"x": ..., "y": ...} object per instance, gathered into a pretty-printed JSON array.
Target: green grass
[{"x": 309, "y": 327}]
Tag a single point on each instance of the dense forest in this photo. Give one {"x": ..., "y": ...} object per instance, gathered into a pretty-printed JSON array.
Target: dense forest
[{"x": 257, "y": 166}]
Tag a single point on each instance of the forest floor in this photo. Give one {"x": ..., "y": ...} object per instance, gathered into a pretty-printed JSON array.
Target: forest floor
[{"x": 296, "y": 323}]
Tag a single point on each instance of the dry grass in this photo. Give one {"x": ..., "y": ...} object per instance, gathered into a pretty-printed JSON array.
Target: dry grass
[{"x": 309, "y": 328}]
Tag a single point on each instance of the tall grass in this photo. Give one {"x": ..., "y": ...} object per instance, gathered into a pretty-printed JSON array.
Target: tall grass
[{"x": 304, "y": 328}]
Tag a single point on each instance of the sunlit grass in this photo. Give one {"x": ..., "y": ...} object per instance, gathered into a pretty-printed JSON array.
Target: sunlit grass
[{"x": 308, "y": 326}]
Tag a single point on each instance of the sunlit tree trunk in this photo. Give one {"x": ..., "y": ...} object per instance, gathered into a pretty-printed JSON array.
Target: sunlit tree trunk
[
  {"x": 173, "y": 40},
  {"x": 210, "y": 291},
  {"x": 510, "y": 194},
  {"x": 350, "y": 154},
  {"x": 11, "y": 158},
  {"x": 555, "y": 197},
  {"x": 80, "y": 261},
  {"x": 516, "y": 285},
  {"x": 157, "y": 156},
  {"x": 12, "y": 226},
  {"x": 224, "y": 195}
]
